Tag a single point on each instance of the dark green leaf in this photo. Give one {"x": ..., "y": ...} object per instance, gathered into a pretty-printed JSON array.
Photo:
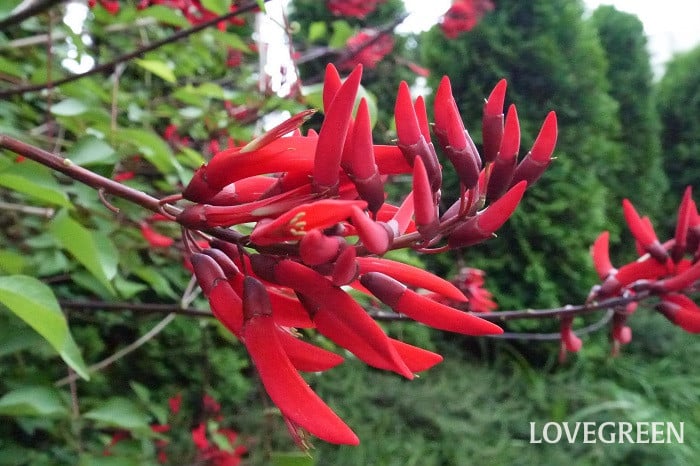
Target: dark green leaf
[
  {"x": 122, "y": 413},
  {"x": 90, "y": 150}
]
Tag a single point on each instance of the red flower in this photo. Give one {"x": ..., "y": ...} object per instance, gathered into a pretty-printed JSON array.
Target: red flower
[
  {"x": 155, "y": 239},
  {"x": 199, "y": 437},
  {"x": 357, "y": 8},
  {"x": 368, "y": 55},
  {"x": 463, "y": 16}
]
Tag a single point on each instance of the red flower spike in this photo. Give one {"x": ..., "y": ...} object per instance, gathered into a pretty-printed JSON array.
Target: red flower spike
[
  {"x": 685, "y": 212},
  {"x": 421, "y": 309},
  {"x": 345, "y": 269},
  {"x": 225, "y": 303},
  {"x": 682, "y": 311},
  {"x": 679, "y": 282},
  {"x": 601, "y": 256},
  {"x": 288, "y": 391},
  {"x": 643, "y": 232},
  {"x": 504, "y": 165},
  {"x": 375, "y": 236},
  {"x": 417, "y": 359},
  {"x": 359, "y": 162},
  {"x": 492, "y": 122},
  {"x": 411, "y": 275},
  {"x": 483, "y": 225},
  {"x": 331, "y": 137},
  {"x": 336, "y": 315},
  {"x": 306, "y": 357},
  {"x": 295, "y": 223},
  {"x": 424, "y": 202},
  {"x": 533, "y": 165},
  {"x": 453, "y": 137},
  {"x": 331, "y": 85},
  {"x": 155, "y": 239},
  {"x": 315, "y": 248}
]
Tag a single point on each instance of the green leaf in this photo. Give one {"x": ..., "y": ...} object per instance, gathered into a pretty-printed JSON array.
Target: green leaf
[
  {"x": 122, "y": 413},
  {"x": 317, "y": 31},
  {"x": 33, "y": 401},
  {"x": 342, "y": 31},
  {"x": 11, "y": 262},
  {"x": 15, "y": 338},
  {"x": 153, "y": 148},
  {"x": 293, "y": 458},
  {"x": 157, "y": 282},
  {"x": 38, "y": 191},
  {"x": 92, "y": 249},
  {"x": 90, "y": 150},
  {"x": 159, "y": 68},
  {"x": 69, "y": 107},
  {"x": 217, "y": 6},
  {"x": 231, "y": 39},
  {"x": 35, "y": 304},
  {"x": 165, "y": 15}
]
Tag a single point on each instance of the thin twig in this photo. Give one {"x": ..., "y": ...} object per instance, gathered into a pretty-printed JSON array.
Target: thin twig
[
  {"x": 47, "y": 212},
  {"x": 122, "y": 352},
  {"x": 109, "y": 66},
  {"x": 141, "y": 308},
  {"x": 33, "y": 9}
]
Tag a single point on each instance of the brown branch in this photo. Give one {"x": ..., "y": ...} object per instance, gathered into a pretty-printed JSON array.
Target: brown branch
[
  {"x": 141, "y": 308},
  {"x": 109, "y": 66},
  {"x": 98, "y": 182},
  {"x": 33, "y": 9}
]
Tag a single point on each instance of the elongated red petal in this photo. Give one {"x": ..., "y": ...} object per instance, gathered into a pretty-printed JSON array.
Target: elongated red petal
[
  {"x": 407, "y": 126},
  {"x": 681, "y": 281},
  {"x": 682, "y": 311},
  {"x": 287, "y": 389},
  {"x": 601, "y": 255},
  {"x": 504, "y": 165},
  {"x": 286, "y": 127},
  {"x": 543, "y": 147},
  {"x": 225, "y": 303},
  {"x": 422, "y": 116},
  {"x": 294, "y": 223},
  {"x": 643, "y": 232},
  {"x": 411, "y": 275},
  {"x": 335, "y": 313},
  {"x": 417, "y": 359},
  {"x": 331, "y": 137},
  {"x": 424, "y": 202},
  {"x": 685, "y": 212},
  {"x": 359, "y": 163},
  {"x": 419, "y": 308},
  {"x": 331, "y": 85},
  {"x": 345, "y": 269},
  {"x": 492, "y": 122},
  {"x": 307, "y": 357}
]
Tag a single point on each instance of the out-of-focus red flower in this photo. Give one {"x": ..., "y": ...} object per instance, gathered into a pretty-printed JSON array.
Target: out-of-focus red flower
[
  {"x": 112, "y": 6},
  {"x": 471, "y": 283},
  {"x": 123, "y": 176},
  {"x": 234, "y": 58},
  {"x": 371, "y": 55},
  {"x": 175, "y": 402},
  {"x": 199, "y": 437},
  {"x": 463, "y": 16},
  {"x": 155, "y": 239},
  {"x": 210, "y": 404},
  {"x": 419, "y": 70},
  {"x": 355, "y": 8}
]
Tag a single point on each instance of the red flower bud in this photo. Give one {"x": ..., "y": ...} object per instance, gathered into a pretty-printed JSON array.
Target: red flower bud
[
  {"x": 643, "y": 232},
  {"x": 492, "y": 122},
  {"x": 601, "y": 256},
  {"x": 538, "y": 159},
  {"x": 424, "y": 202},
  {"x": 483, "y": 225},
  {"x": 504, "y": 165},
  {"x": 331, "y": 138},
  {"x": 419, "y": 308},
  {"x": 682, "y": 311}
]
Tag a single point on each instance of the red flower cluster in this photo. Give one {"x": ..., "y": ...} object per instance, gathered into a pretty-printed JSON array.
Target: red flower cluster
[
  {"x": 112, "y": 6},
  {"x": 356, "y": 8},
  {"x": 320, "y": 224},
  {"x": 670, "y": 269},
  {"x": 463, "y": 16},
  {"x": 368, "y": 55}
]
